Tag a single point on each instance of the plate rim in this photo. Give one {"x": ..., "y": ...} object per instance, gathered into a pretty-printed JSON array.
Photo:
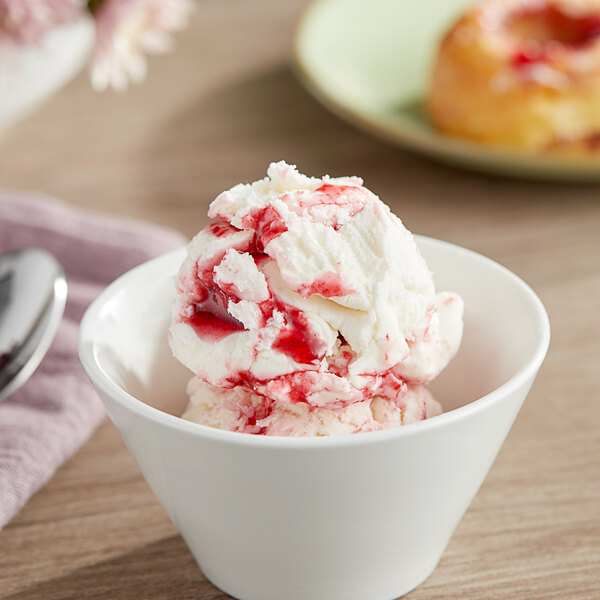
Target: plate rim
[{"x": 434, "y": 145}]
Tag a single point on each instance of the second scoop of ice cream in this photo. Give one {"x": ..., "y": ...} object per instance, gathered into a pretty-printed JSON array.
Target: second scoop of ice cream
[{"x": 309, "y": 292}]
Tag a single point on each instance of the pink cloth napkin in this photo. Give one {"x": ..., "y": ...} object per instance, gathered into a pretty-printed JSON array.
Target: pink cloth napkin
[{"x": 53, "y": 414}]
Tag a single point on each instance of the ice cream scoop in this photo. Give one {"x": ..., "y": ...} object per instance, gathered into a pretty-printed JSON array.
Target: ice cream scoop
[{"x": 309, "y": 299}]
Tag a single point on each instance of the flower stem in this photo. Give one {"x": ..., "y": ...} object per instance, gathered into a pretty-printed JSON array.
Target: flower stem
[{"x": 94, "y": 5}]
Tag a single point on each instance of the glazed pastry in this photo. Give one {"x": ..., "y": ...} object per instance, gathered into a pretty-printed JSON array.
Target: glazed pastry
[{"x": 522, "y": 74}]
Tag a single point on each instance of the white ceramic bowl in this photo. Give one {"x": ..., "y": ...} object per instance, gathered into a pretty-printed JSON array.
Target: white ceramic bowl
[{"x": 365, "y": 516}]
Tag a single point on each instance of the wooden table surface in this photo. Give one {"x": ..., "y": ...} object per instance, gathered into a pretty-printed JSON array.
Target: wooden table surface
[{"x": 213, "y": 113}]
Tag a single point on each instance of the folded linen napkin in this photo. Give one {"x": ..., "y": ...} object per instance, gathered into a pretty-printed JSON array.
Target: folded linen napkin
[{"x": 53, "y": 414}]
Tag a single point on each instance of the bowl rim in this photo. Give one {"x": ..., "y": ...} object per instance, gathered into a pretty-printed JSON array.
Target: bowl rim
[{"x": 100, "y": 379}]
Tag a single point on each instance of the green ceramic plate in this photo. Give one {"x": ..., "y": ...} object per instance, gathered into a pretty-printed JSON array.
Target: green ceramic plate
[{"x": 369, "y": 60}]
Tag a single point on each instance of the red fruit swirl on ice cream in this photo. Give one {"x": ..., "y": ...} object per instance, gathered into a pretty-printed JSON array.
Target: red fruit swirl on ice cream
[{"x": 307, "y": 309}]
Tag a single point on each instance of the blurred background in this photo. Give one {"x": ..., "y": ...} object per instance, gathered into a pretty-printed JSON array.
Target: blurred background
[{"x": 218, "y": 109}]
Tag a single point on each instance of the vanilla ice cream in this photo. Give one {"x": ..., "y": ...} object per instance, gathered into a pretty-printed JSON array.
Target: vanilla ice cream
[{"x": 307, "y": 309}]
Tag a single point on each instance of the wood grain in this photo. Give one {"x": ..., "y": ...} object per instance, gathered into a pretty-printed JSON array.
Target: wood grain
[{"x": 216, "y": 112}]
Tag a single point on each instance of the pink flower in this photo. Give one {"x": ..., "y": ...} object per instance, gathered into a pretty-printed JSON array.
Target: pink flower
[
  {"x": 127, "y": 30},
  {"x": 26, "y": 21}
]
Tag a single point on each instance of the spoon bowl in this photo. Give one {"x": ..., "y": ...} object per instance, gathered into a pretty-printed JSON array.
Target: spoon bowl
[{"x": 33, "y": 294}]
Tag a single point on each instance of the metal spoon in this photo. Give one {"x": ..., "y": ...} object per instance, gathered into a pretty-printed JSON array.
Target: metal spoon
[{"x": 33, "y": 294}]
